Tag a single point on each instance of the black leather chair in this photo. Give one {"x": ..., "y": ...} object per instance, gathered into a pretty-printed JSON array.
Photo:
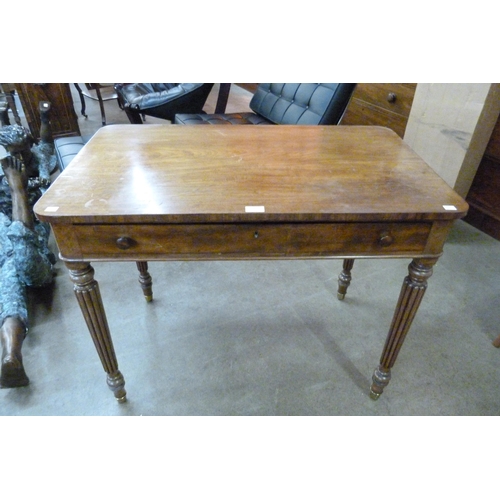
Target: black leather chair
[
  {"x": 284, "y": 104},
  {"x": 66, "y": 148},
  {"x": 162, "y": 100}
]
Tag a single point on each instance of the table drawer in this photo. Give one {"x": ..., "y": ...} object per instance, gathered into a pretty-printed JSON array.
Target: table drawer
[{"x": 199, "y": 241}]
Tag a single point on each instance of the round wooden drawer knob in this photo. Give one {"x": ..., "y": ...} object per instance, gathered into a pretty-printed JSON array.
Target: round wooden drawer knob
[
  {"x": 391, "y": 97},
  {"x": 385, "y": 239},
  {"x": 124, "y": 242}
]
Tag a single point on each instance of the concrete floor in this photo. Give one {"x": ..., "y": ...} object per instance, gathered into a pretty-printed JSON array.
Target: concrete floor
[{"x": 269, "y": 337}]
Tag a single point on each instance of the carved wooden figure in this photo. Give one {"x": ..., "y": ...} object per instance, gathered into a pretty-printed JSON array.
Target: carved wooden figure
[{"x": 25, "y": 259}]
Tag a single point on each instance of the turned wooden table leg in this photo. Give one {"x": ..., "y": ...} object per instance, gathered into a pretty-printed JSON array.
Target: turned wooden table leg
[
  {"x": 345, "y": 278},
  {"x": 412, "y": 292},
  {"x": 145, "y": 280},
  {"x": 89, "y": 298}
]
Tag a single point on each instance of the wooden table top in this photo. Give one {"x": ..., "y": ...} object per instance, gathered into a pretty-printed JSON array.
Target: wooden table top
[{"x": 174, "y": 173}]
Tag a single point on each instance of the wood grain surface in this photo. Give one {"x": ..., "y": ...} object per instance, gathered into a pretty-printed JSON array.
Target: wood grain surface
[{"x": 183, "y": 174}]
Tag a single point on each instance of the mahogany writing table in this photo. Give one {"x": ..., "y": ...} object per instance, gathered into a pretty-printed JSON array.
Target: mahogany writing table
[{"x": 170, "y": 192}]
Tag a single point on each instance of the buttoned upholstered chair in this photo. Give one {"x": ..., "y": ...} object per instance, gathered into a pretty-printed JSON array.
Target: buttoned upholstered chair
[
  {"x": 162, "y": 100},
  {"x": 284, "y": 104}
]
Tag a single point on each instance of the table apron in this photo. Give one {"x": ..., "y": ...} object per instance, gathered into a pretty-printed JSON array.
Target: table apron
[{"x": 247, "y": 241}]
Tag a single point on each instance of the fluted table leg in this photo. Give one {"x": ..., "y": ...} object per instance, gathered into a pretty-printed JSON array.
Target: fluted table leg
[
  {"x": 412, "y": 292},
  {"x": 345, "y": 278},
  {"x": 145, "y": 280},
  {"x": 89, "y": 298}
]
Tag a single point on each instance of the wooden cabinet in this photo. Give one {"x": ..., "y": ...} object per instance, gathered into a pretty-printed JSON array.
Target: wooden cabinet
[
  {"x": 383, "y": 104},
  {"x": 484, "y": 194},
  {"x": 62, "y": 117}
]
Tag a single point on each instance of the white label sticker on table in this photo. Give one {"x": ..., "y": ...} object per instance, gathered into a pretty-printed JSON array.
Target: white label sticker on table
[
  {"x": 449, "y": 207},
  {"x": 51, "y": 209},
  {"x": 255, "y": 209}
]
